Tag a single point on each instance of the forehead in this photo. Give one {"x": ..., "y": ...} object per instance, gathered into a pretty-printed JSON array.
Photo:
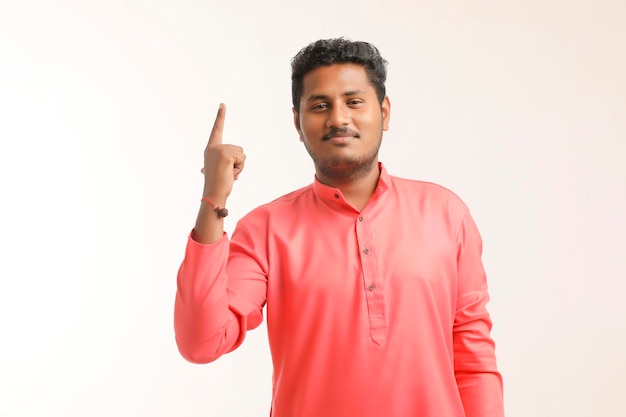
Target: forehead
[{"x": 336, "y": 78}]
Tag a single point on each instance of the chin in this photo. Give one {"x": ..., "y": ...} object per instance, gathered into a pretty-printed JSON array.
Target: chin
[{"x": 344, "y": 168}]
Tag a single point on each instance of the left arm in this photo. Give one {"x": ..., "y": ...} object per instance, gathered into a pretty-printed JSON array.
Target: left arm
[{"x": 478, "y": 379}]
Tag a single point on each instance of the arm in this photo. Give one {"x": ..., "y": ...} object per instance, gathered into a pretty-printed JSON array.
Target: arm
[
  {"x": 479, "y": 382},
  {"x": 212, "y": 311},
  {"x": 209, "y": 317}
]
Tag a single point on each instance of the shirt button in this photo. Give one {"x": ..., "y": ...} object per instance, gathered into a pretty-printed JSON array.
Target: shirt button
[
  {"x": 366, "y": 251},
  {"x": 336, "y": 195},
  {"x": 371, "y": 287},
  {"x": 360, "y": 218}
]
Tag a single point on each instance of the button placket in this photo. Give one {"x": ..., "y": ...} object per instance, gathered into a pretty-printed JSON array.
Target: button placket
[{"x": 371, "y": 280}]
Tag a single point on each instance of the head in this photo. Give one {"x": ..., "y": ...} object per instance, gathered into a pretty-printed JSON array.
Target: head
[
  {"x": 340, "y": 108},
  {"x": 326, "y": 52}
]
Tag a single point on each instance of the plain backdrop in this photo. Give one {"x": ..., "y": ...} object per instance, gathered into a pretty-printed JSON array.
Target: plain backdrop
[{"x": 105, "y": 109}]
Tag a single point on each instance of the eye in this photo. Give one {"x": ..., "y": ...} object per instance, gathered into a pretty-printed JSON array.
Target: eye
[
  {"x": 319, "y": 106},
  {"x": 355, "y": 102}
]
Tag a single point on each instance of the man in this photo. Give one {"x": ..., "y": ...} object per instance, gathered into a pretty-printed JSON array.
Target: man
[{"x": 374, "y": 286}]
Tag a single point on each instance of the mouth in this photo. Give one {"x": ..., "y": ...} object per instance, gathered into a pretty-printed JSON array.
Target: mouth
[{"x": 342, "y": 135}]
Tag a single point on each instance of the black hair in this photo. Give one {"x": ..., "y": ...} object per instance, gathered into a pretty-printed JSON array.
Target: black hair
[{"x": 325, "y": 52}]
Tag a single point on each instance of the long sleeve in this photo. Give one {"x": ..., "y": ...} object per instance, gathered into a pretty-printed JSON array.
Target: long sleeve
[
  {"x": 479, "y": 382},
  {"x": 212, "y": 310}
]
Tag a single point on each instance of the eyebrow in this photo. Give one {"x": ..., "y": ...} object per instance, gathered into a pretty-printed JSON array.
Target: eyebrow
[{"x": 350, "y": 93}]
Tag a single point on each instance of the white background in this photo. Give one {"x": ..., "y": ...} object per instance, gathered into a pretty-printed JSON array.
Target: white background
[{"x": 105, "y": 108}]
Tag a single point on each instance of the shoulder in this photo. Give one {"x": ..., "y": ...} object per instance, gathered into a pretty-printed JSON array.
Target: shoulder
[
  {"x": 287, "y": 200},
  {"x": 427, "y": 192},
  {"x": 281, "y": 206},
  {"x": 432, "y": 204}
]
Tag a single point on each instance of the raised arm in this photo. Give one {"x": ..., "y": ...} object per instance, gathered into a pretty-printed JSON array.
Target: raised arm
[{"x": 211, "y": 318}]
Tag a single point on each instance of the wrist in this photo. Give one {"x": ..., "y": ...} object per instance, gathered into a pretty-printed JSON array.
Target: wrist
[
  {"x": 219, "y": 210},
  {"x": 215, "y": 196}
]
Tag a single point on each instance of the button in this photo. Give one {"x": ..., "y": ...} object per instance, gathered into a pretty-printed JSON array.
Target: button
[
  {"x": 366, "y": 251},
  {"x": 361, "y": 218},
  {"x": 336, "y": 195},
  {"x": 371, "y": 287}
]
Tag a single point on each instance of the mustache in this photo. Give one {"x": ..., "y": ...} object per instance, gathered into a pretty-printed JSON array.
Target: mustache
[{"x": 344, "y": 131}]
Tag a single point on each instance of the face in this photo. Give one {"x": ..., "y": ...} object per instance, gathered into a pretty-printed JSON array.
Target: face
[{"x": 341, "y": 122}]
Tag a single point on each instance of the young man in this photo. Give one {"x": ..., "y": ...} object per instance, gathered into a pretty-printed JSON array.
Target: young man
[{"x": 374, "y": 285}]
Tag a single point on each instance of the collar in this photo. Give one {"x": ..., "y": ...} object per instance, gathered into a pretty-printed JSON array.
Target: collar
[{"x": 326, "y": 192}]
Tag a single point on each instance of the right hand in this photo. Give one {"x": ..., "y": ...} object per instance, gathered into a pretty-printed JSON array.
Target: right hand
[{"x": 222, "y": 163}]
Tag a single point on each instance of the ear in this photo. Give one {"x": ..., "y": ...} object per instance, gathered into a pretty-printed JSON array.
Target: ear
[
  {"x": 296, "y": 122},
  {"x": 386, "y": 110}
]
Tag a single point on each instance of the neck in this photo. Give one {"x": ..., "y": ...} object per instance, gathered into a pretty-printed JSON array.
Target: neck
[{"x": 356, "y": 191}]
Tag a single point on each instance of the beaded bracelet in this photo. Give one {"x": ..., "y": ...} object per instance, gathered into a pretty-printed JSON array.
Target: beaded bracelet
[{"x": 221, "y": 212}]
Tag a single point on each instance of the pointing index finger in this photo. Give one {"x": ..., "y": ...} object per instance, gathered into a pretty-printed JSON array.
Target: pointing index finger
[{"x": 218, "y": 126}]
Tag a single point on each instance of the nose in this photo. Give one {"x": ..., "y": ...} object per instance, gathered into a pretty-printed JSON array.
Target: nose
[{"x": 338, "y": 117}]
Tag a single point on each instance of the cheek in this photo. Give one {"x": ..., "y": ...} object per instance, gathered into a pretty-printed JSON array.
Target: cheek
[
  {"x": 308, "y": 127},
  {"x": 377, "y": 121}
]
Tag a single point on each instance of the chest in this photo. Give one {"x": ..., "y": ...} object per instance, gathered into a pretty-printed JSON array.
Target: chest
[{"x": 345, "y": 260}]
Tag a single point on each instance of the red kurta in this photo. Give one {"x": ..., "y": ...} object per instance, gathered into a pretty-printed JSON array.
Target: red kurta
[{"x": 370, "y": 314}]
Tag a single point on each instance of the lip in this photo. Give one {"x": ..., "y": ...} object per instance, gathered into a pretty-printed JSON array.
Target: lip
[{"x": 340, "y": 140}]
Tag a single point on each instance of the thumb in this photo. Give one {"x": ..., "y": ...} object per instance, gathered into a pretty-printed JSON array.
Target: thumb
[{"x": 218, "y": 126}]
